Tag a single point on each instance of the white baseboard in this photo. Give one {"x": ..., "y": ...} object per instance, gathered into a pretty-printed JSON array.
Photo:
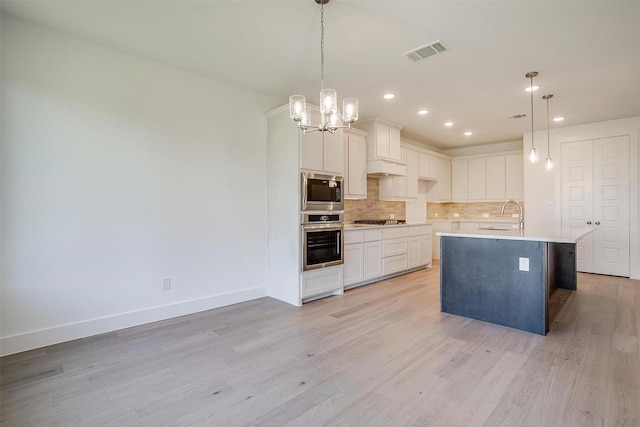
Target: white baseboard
[{"x": 57, "y": 334}]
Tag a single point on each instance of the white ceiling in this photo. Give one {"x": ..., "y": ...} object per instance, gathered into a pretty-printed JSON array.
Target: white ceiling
[{"x": 587, "y": 54}]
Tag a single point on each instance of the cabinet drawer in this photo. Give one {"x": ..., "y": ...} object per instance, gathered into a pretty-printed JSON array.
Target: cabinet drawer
[
  {"x": 393, "y": 247},
  {"x": 321, "y": 281},
  {"x": 415, "y": 230},
  {"x": 371, "y": 235},
  {"x": 353, "y": 236},
  {"x": 394, "y": 264},
  {"x": 393, "y": 233}
]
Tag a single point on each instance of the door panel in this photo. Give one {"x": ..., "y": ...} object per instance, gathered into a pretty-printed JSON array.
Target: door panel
[
  {"x": 611, "y": 205},
  {"x": 577, "y": 197}
]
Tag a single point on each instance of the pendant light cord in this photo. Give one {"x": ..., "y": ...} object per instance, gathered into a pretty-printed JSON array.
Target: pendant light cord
[
  {"x": 548, "y": 132},
  {"x": 531, "y": 89},
  {"x": 322, "y": 45}
]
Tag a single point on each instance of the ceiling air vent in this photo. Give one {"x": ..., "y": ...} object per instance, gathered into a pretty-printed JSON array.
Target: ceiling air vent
[
  {"x": 423, "y": 52},
  {"x": 518, "y": 116}
]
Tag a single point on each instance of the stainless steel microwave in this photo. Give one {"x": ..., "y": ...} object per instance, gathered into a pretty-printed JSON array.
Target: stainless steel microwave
[{"x": 321, "y": 192}]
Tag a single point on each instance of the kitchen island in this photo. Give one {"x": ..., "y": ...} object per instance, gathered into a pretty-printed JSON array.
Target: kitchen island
[{"x": 506, "y": 276}]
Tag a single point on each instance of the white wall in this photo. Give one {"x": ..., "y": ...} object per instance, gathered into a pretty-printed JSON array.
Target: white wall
[
  {"x": 540, "y": 185},
  {"x": 118, "y": 172}
]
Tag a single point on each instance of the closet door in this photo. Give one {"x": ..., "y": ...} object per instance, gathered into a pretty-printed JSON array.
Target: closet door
[
  {"x": 611, "y": 205},
  {"x": 595, "y": 190},
  {"x": 577, "y": 197}
]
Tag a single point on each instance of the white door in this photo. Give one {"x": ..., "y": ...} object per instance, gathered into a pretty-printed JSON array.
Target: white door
[
  {"x": 611, "y": 205},
  {"x": 595, "y": 191}
]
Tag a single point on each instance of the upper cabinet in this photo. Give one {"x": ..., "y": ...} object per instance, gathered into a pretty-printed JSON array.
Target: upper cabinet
[
  {"x": 428, "y": 167},
  {"x": 321, "y": 151},
  {"x": 490, "y": 178},
  {"x": 355, "y": 146},
  {"x": 383, "y": 147},
  {"x": 401, "y": 187}
]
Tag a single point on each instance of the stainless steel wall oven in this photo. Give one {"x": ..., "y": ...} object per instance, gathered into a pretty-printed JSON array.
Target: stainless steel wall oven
[{"x": 322, "y": 240}]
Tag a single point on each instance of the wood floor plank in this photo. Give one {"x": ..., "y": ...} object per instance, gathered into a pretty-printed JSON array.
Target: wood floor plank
[{"x": 381, "y": 354}]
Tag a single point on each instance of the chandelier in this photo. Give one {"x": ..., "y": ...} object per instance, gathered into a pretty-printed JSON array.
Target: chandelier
[
  {"x": 533, "y": 153},
  {"x": 330, "y": 118}
]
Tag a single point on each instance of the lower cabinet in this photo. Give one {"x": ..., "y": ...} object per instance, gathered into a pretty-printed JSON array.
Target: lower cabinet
[
  {"x": 372, "y": 254},
  {"x": 322, "y": 281}
]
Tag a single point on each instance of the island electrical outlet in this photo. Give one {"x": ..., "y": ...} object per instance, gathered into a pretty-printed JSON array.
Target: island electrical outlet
[{"x": 524, "y": 264}]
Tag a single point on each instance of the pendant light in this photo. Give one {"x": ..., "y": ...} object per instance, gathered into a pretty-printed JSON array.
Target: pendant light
[
  {"x": 330, "y": 119},
  {"x": 548, "y": 163},
  {"x": 533, "y": 153}
]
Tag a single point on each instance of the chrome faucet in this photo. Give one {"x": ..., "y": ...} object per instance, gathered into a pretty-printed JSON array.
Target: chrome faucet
[{"x": 521, "y": 219}]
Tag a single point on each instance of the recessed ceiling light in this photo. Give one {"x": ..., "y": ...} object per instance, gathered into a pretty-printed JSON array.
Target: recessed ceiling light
[
  {"x": 389, "y": 95},
  {"x": 423, "y": 112},
  {"x": 532, "y": 88},
  {"x": 468, "y": 133},
  {"x": 448, "y": 124},
  {"x": 558, "y": 119}
]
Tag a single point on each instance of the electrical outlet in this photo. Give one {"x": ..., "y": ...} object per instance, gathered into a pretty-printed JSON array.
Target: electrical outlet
[
  {"x": 515, "y": 216},
  {"x": 523, "y": 264},
  {"x": 166, "y": 284},
  {"x": 485, "y": 215},
  {"x": 550, "y": 200},
  {"x": 392, "y": 216},
  {"x": 436, "y": 214},
  {"x": 456, "y": 215}
]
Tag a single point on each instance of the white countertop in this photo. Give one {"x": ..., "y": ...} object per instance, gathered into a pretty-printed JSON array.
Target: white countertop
[{"x": 540, "y": 234}]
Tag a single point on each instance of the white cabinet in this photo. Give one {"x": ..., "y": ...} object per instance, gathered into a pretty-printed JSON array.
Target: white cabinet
[
  {"x": 477, "y": 179},
  {"x": 356, "y": 164},
  {"x": 459, "y": 180},
  {"x": 440, "y": 190},
  {"x": 428, "y": 167},
  {"x": 321, "y": 151},
  {"x": 491, "y": 178},
  {"x": 321, "y": 281},
  {"x": 371, "y": 254},
  {"x": 401, "y": 187},
  {"x": 372, "y": 259},
  {"x": 383, "y": 147},
  {"x": 496, "y": 177},
  {"x": 514, "y": 176}
]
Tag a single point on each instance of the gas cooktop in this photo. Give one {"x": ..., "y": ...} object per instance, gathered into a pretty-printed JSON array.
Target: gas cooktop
[{"x": 380, "y": 221}]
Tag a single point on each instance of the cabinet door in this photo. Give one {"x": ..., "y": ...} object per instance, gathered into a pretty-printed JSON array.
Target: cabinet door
[
  {"x": 311, "y": 151},
  {"x": 514, "y": 177},
  {"x": 423, "y": 166},
  {"x": 394, "y": 143},
  {"x": 382, "y": 140},
  {"x": 372, "y": 259},
  {"x": 353, "y": 263},
  {"x": 444, "y": 179},
  {"x": 426, "y": 245},
  {"x": 356, "y": 176},
  {"x": 477, "y": 179},
  {"x": 433, "y": 168},
  {"x": 459, "y": 180},
  {"x": 414, "y": 246},
  {"x": 333, "y": 153},
  {"x": 496, "y": 179}
]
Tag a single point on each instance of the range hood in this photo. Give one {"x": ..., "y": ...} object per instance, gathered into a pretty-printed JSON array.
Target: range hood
[{"x": 383, "y": 167}]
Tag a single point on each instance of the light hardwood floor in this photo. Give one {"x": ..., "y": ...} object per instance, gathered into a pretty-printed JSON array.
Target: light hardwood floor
[{"x": 380, "y": 355}]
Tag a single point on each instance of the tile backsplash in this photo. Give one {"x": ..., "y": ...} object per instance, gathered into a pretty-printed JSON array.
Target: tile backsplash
[
  {"x": 471, "y": 210},
  {"x": 372, "y": 207}
]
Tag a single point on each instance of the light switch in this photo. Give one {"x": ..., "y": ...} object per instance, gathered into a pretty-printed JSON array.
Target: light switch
[{"x": 524, "y": 264}]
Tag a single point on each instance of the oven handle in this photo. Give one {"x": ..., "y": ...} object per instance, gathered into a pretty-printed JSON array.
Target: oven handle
[
  {"x": 328, "y": 227},
  {"x": 338, "y": 243}
]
